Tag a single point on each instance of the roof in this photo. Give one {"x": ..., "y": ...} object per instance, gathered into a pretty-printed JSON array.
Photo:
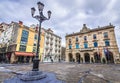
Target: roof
[
  {"x": 50, "y": 32},
  {"x": 24, "y": 54},
  {"x": 87, "y": 30}
]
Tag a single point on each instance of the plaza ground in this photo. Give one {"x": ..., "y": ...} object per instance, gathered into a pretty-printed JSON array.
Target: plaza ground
[{"x": 70, "y": 72}]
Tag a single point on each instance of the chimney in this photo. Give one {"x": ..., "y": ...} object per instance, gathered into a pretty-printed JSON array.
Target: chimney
[
  {"x": 20, "y": 22},
  {"x": 84, "y": 25}
]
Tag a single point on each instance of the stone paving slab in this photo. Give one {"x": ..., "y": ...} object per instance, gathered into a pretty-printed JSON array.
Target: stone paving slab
[
  {"x": 50, "y": 78},
  {"x": 71, "y": 73}
]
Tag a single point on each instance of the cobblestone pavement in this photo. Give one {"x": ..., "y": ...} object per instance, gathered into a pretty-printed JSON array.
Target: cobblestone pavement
[{"x": 71, "y": 72}]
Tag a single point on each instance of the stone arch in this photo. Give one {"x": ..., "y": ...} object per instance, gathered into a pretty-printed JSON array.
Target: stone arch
[
  {"x": 87, "y": 57},
  {"x": 78, "y": 57},
  {"x": 70, "y": 57},
  {"x": 97, "y": 57},
  {"x": 109, "y": 57}
]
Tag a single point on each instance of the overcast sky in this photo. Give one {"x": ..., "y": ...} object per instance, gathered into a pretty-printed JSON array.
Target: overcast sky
[{"x": 68, "y": 16}]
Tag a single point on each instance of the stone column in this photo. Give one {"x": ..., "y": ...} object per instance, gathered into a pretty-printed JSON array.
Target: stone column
[
  {"x": 92, "y": 56},
  {"x": 82, "y": 56},
  {"x": 67, "y": 58},
  {"x": 103, "y": 56},
  {"x": 74, "y": 56}
]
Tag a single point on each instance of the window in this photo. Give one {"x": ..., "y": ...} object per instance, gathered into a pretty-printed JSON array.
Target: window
[
  {"x": 85, "y": 38},
  {"x": 76, "y": 39},
  {"x": 105, "y": 35},
  {"x": 34, "y": 49},
  {"x": 25, "y": 33},
  {"x": 77, "y": 46},
  {"x": 95, "y": 44},
  {"x": 69, "y": 40},
  {"x": 70, "y": 46},
  {"x": 34, "y": 44},
  {"x": 35, "y": 37},
  {"x": 94, "y": 36},
  {"x": 85, "y": 45},
  {"x": 24, "y": 37},
  {"x": 107, "y": 43},
  {"x": 22, "y": 48}
]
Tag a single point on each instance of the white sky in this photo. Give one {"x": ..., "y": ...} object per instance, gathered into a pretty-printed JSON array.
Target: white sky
[{"x": 68, "y": 16}]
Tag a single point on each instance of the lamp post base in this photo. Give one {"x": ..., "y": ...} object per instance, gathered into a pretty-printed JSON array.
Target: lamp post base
[
  {"x": 32, "y": 75},
  {"x": 42, "y": 77},
  {"x": 35, "y": 64}
]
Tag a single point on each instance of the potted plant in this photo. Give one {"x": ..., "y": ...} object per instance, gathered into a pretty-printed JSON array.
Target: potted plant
[{"x": 103, "y": 60}]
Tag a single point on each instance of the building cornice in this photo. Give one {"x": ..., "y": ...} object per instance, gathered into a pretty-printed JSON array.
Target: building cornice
[
  {"x": 51, "y": 33},
  {"x": 91, "y": 30}
]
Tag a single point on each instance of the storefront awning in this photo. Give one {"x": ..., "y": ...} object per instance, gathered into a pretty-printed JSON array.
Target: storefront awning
[{"x": 24, "y": 54}]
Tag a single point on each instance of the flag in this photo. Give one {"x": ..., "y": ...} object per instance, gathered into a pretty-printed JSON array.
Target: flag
[
  {"x": 106, "y": 52},
  {"x": 37, "y": 28}
]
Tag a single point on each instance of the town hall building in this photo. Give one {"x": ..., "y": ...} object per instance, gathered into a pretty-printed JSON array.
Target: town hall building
[{"x": 96, "y": 45}]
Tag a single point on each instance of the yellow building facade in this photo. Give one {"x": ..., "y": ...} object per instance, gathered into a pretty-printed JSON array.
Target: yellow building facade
[
  {"x": 22, "y": 44},
  {"x": 31, "y": 45}
]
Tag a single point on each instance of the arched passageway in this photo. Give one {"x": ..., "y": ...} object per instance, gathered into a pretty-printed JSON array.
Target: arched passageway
[
  {"x": 87, "y": 57},
  {"x": 97, "y": 57},
  {"x": 109, "y": 57},
  {"x": 70, "y": 57}
]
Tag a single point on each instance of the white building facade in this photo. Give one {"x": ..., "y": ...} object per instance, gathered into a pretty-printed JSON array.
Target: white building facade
[{"x": 52, "y": 47}]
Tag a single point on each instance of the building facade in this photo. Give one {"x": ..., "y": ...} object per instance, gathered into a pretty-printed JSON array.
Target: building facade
[
  {"x": 63, "y": 53},
  {"x": 92, "y": 45},
  {"x": 3, "y": 26},
  {"x": 18, "y": 43},
  {"x": 52, "y": 46}
]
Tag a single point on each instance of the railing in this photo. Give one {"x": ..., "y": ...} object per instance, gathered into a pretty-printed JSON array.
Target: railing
[
  {"x": 51, "y": 43},
  {"x": 86, "y": 49},
  {"x": 47, "y": 42}
]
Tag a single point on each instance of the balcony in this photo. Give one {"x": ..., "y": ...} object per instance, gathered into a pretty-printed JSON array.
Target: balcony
[
  {"x": 85, "y": 41},
  {"x": 47, "y": 42},
  {"x": 69, "y": 42},
  {"x": 55, "y": 45},
  {"x": 59, "y": 51},
  {"x": 46, "y": 47},
  {"x": 51, "y": 43},
  {"x": 47, "y": 36},
  {"x": 59, "y": 41},
  {"x": 95, "y": 40},
  {"x": 59, "y": 46},
  {"x": 51, "y": 48},
  {"x": 86, "y": 49},
  {"x": 51, "y": 38},
  {"x": 56, "y": 40},
  {"x": 55, "y": 50},
  {"x": 106, "y": 38}
]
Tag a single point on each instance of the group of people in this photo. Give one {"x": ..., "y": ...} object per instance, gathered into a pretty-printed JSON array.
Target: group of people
[{"x": 4, "y": 59}]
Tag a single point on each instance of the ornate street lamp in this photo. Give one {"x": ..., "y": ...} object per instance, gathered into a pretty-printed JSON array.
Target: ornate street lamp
[
  {"x": 35, "y": 74},
  {"x": 40, "y": 18}
]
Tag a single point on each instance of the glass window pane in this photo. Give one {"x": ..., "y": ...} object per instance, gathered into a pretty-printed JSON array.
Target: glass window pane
[
  {"x": 105, "y": 35},
  {"x": 94, "y": 36},
  {"x": 22, "y": 48},
  {"x": 70, "y": 46},
  {"x": 76, "y": 39},
  {"x": 95, "y": 44},
  {"x": 85, "y": 45},
  {"x": 107, "y": 43},
  {"x": 85, "y": 38},
  {"x": 77, "y": 46}
]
